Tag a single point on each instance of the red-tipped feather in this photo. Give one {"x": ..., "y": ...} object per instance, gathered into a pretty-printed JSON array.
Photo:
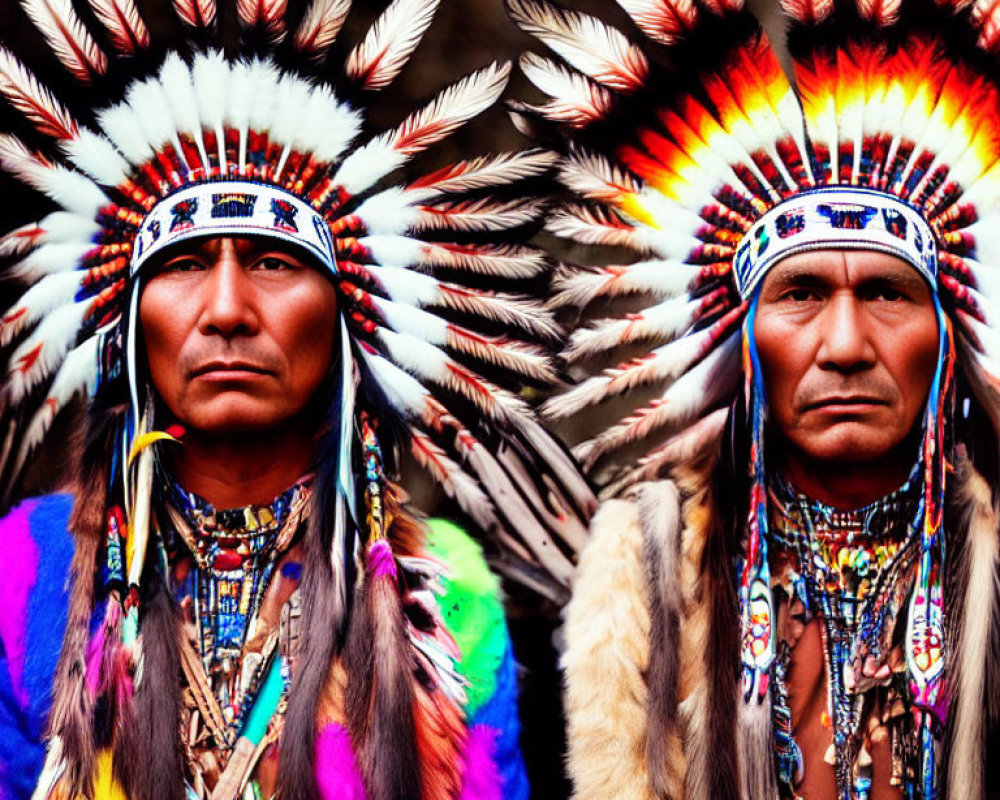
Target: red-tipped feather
[
  {"x": 664, "y": 21},
  {"x": 196, "y": 13},
  {"x": 32, "y": 99},
  {"x": 270, "y": 14},
  {"x": 320, "y": 26},
  {"x": 125, "y": 27},
  {"x": 68, "y": 38},
  {"x": 808, "y": 12},
  {"x": 390, "y": 42}
]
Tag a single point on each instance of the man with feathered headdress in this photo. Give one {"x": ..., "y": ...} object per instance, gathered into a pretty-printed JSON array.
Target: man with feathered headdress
[
  {"x": 791, "y": 589},
  {"x": 262, "y": 325}
]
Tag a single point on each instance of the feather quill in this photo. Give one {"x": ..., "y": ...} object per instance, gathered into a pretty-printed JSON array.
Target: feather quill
[
  {"x": 390, "y": 42},
  {"x": 68, "y": 38},
  {"x": 23, "y": 90},
  {"x": 478, "y": 215},
  {"x": 320, "y": 26},
  {"x": 51, "y": 292},
  {"x": 586, "y": 43},
  {"x": 453, "y": 479}
]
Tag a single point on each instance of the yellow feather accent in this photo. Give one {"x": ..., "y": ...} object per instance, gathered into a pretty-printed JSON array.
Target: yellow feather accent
[
  {"x": 105, "y": 785},
  {"x": 146, "y": 440}
]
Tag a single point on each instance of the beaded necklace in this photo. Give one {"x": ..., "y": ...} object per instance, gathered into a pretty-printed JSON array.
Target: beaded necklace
[
  {"x": 854, "y": 569},
  {"x": 221, "y": 565}
]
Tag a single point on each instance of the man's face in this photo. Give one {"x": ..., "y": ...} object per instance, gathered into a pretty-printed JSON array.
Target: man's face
[
  {"x": 239, "y": 333},
  {"x": 848, "y": 343}
]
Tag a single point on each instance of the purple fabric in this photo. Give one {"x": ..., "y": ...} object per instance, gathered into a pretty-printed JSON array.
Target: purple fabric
[
  {"x": 481, "y": 779},
  {"x": 380, "y": 560},
  {"x": 337, "y": 771},
  {"x": 20, "y": 574}
]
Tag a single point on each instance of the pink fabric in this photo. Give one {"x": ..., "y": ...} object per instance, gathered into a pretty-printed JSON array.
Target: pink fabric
[
  {"x": 337, "y": 771},
  {"x": 20, "y": 574},
  {"x": 481, "y": 780},
  {"x": 380, "y": 560}
]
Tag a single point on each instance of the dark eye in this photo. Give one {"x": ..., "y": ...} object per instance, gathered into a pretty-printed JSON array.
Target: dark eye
[
  {"x": 799, "y": 295},
  {"x": 888, "y": 294},
  {"x": 273, "y": 264},
  {"x": 182, "y": 265}
]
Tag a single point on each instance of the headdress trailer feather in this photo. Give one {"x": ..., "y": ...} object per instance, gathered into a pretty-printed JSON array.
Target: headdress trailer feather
[
  {"x": 437, "y": 331},
  {"x": 709, "y": 164}
]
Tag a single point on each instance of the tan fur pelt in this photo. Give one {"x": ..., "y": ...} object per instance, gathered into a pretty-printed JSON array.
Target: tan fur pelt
[
  {"x": 607, "y": 629},
  {"x": 979, "y": 621},
  {"x": 660, "y": 516}
]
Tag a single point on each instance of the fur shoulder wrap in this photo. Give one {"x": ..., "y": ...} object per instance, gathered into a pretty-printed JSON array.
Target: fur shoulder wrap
[{"x": 652, "y": 647}]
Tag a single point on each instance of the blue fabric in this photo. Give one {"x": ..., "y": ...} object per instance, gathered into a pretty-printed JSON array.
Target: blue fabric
[
  {"x": 24, "y": 709},
  {"x": 500, "y": 713}
]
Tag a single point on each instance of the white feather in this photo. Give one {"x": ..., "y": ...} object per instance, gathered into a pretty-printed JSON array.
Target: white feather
[
  {"x": 78, "y": 374},
  {"x": 388, "y": 212},
  {"x": 389, "y": 43},
  {"x": 480, "y": 173},
  {"x": 211, "y": 75},
  {"x": 289, "y": 109},
  {"x": 51, "y": 292},
  {"x": 49, "y": 259},
  {"x": 660, "y": 278},
  {"x": 149, "y": 105},
  {"x": 586, "y": 43},
  {"x": 76, "y": 193},
  {"x": 121, "y": 125},
  {"x": 453, "y": 479},
  {"x": 175, "y": 77},
  {"x": 662, "y": 364},
  {"x": 68, "y": 37},
  {"x": 330, "y": 126},
  {"x": 96, "y": 156},
  {"x": 404, "y": 392},
  {"x": 480, "y": 215},
  {"x": 662, "y": 321},
  {"x": 576, "y": 99},
  {"x": 713, "y": 379},
  {"x": 43, "y": 351},
  {"x": 62, "y": 226},
  {"x": 451, "y": 108},
  {"x": 508, "y": 260},
  {"x": 368, "y": 164},
  {"x": 428, "y": 363},
  {"x": 320, "y": 26},
  {"x": 406, "y": 286}
]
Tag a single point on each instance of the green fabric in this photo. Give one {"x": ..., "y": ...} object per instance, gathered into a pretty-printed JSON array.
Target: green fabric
[{"x": 472, "y": 609}]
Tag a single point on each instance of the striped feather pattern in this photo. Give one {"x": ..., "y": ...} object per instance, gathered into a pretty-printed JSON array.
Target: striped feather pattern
[
  {"x": 320, "y": 26},
  {"x": 32, "y": 99},
  {"x": 70, "y": 41},
  {"x": 391, "y": 41},
  {"x": 125, "y": 27}
]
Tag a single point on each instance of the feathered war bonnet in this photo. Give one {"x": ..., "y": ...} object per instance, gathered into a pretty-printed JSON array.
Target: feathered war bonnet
[
  {"x": 437, "y": 336},
  {"x": 689, "y": 147}
]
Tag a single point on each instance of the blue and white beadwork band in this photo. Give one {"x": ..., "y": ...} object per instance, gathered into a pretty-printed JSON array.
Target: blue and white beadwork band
[
  {"x": 233, "y": 208},
  {"x": 835, "y": 217}
]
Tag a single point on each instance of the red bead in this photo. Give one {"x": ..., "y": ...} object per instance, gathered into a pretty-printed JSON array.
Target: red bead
[{"x": 227, "y": 560}]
